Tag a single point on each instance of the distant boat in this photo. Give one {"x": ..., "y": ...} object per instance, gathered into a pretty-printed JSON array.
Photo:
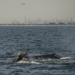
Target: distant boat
[{"x": 23, "y": 3}]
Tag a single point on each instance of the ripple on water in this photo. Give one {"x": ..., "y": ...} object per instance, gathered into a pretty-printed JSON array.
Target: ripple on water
[{"x": 43, "y": 40}]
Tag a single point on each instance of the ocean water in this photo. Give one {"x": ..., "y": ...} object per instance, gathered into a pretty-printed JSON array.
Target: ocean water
[{"x": 43, "y": 40}]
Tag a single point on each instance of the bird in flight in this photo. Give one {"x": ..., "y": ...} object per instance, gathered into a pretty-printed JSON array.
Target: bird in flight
[{"x": 23, "y": 3}]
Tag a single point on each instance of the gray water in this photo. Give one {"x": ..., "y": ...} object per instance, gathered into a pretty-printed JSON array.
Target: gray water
[{"x": 43, "y": 40}]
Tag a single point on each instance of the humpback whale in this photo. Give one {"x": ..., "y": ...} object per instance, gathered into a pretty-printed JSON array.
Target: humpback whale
[{"x": 22, "y": 55}]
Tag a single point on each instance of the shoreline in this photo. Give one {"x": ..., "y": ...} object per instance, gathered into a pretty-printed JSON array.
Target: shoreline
[{"x": 37, "y": 25}]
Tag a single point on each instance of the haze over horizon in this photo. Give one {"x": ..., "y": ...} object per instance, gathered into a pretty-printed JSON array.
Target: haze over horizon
[{"x": 34, "y": 9}]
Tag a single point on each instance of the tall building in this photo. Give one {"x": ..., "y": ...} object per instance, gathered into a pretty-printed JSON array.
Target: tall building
[
  {"x": 71, "y": 20},
  {"x": 41, "y": 21},
  {"x": 67, "y": 19},
  {"x": 25, "y": 20}
]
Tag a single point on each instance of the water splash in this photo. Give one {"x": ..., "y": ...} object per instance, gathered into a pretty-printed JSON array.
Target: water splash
[{"x": 63, "y": 60}]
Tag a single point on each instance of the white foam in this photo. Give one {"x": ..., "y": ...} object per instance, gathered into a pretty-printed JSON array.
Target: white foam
[
  {"x": 67, "y": 58},
  {"x": 33, "y": 62},
  {"x": 45, "y": 61},
  {"x": 23, "y": 61}
]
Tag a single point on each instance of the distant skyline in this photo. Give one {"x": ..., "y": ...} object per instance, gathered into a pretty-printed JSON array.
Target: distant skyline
[{"x": 34, "y": 9}]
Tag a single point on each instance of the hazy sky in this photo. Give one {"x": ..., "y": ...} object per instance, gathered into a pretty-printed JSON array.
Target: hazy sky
[{"x": 35, "y": 9}]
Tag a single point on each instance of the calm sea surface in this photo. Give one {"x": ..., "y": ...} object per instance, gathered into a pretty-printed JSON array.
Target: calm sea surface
[{"x": 43, "y": 40}]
